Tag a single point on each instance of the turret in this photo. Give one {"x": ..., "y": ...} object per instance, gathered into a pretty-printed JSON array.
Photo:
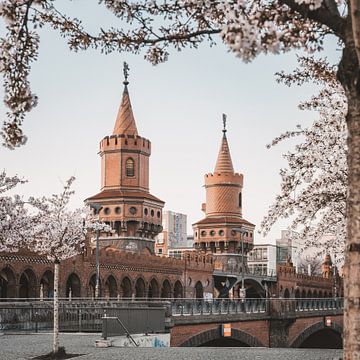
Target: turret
[
  {"x": 327, "y": 267},
  {"x": 223, "y": 208},
  {"x": 127, "y": 205}
]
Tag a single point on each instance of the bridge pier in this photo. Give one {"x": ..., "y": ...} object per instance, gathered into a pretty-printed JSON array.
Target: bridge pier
[{"x": 279, "y": 332}]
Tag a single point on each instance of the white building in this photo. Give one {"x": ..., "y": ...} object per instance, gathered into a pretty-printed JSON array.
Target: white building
[
  {"x": 288, "y": 247},
  {"x": 175, "y": 225},
  {"x": 173, "y": 234},
  {"x": 177, "y": 252},
  {"x": 262, "y": 259}
]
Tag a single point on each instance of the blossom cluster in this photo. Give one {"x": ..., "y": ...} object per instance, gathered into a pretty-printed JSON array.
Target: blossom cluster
[
  {"x": 247, "y": 27},
  {"x": 314, "y": 185},
  {"x": 15, "y": 222},
  {"x": 59, "y": 234}
]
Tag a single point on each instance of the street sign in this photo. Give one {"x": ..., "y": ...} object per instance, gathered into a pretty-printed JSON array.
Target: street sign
[
  {"x": 226, "y": 330},
  {"x": 328, "y": 321}
]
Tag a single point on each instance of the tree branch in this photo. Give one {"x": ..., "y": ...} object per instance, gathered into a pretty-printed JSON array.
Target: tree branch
[
  {"x": 355, "y": 20},
  {"x": 325, "y": 15}
]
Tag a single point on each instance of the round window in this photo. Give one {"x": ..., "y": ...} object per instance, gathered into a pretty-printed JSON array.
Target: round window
[
  {"x": 221, "y": 232},
  {"x": 132, "y": 210},
  {"x": 118, "y": 210},
  {"x": 203, "y": 233},
  {"x": 152, "y": 212},
  {"x": 106, "y": 211},
  {"x": 146, "y": 211},
  {"x": 212, "y": 232},
  {"x": 158, "y": 214}
]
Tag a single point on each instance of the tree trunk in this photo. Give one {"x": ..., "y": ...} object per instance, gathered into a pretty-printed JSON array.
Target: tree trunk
[
  {"x": 56, "y": 307},
  {"x": 352, "y": 253}
]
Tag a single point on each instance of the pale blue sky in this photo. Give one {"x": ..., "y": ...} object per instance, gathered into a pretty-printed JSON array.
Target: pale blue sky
[{"x": 177, "y": 106}]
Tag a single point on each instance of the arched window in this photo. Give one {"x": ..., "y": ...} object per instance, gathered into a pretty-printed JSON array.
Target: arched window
[
  {"x": 130, "y": 167},
  {"x": 240, "y": 200}
]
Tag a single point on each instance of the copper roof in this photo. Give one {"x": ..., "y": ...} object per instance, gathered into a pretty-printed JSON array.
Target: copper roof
[{"x": 110, "y": 194}]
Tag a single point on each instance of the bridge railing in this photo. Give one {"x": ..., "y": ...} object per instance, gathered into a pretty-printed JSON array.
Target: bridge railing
[
  {"x": 185, "y": 307},
  {"x": 306, "y": 304},
  {"x": 86, "y": 314},
  {"x": 272, "y": 306},
  {"x": 75, "y": 316}
]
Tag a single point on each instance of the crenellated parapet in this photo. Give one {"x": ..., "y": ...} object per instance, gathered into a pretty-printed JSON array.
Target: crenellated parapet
[
  {"x": 125, "y": 142},
  {"x": 224, "y": 178},
  {"x": 196, "y": 260}
]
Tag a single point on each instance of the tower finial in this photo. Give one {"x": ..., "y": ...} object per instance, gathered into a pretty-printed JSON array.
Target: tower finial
[
  {"x": 126, "y": 73},
  {"x": 224, "y": 123}
]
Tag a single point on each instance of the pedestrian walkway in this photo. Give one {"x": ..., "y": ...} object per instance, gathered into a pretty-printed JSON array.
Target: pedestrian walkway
[{"x": 27, "y": 346}]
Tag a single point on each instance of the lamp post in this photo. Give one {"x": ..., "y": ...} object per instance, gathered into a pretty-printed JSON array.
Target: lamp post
[
  {"x": 334, "y": 275},
  {"x": 242, "y": 293},
  {"x": 97, "y": 207}
]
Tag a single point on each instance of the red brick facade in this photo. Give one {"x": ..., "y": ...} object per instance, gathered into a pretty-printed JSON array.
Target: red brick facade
[
  {"x": 285, "y": 333},
  {"x": 128, "y": 266}
]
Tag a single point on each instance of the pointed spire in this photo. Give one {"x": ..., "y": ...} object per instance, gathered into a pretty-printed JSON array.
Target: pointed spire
[
  {"x": 224, "y": 162},
  {"x": 125, "y": 121}
]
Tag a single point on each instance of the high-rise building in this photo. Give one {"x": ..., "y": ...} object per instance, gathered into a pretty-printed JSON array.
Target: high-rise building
[
  {"x": 287, "y": 248},
  {"x": 175, "y": 225},
  {"x": 173, "y": 234}
]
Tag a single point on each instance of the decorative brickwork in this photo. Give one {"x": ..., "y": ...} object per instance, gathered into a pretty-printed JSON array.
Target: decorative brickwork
[
  {"x": 134, "y": 214},
  {"x": 269, "y": 333},
  {"x": 223, "y": 211}
]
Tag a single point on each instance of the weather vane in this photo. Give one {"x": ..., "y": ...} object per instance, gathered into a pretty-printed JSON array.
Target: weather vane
[
  {"x": 224, "y": 123},
  {"x": 126, "y": 72}
]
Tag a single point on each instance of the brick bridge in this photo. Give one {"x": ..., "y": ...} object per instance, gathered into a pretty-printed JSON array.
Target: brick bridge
[{"x": 258, "y": 322}]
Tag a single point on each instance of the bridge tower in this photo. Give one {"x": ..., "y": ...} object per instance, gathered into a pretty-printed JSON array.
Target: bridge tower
[
  {"x": 224, "y": 232},
  {"x": 127, "y": 205},
  {"x": 327, "y": 267}
]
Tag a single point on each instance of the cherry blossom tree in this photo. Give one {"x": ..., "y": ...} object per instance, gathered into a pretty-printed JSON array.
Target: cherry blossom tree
[
  {"x": 314, "y": 185},
  {"x": 248, "y": 27},
  {"x": 59, "y": 235},
  {"x": 16, "y": 225}
]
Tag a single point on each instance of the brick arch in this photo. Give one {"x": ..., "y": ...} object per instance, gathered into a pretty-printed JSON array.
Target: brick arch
[
  {"x": 166, "y": 292},
  {"x": 28, "y": 268},
  {"x": 313, "y": 329},
  {"x": 8, "y": 281},
  {"x": 178, "y": 289},
  {"x": 286, "y": 293},
  {"x": 91, "y": 282},
  {"x": 47, "y": 283},
  {"x": 73, "y": 282},
  {"x": 111, "y": 286},
  {"x": 126, "y": 275},
  {"x": 140, "y": 286},
  {"x": 126, "y": 287},
  {"x": 254, "y": 288},
  {"x": 28, "y": 283},
  {"x": 153, "y": 287},
  {"x": 213, "y": 334}
]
